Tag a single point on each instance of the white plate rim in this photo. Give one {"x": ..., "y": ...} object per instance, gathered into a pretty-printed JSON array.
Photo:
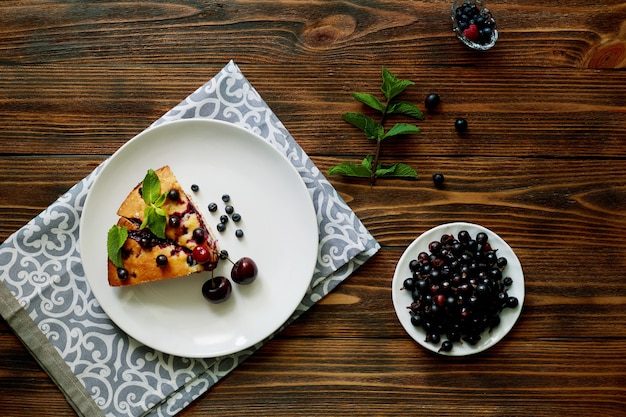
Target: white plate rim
[
  {"x": 308, "y": 249},
  {"x": 401, "y": 299}
]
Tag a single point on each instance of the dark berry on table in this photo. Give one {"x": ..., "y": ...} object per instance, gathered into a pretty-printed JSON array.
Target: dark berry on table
[
  {"x": 161, "y": 260},
  {"x": 174, "y": 221},
  {"x": 236, "y": 217},
  {"x": 217, "y": 289},
  {"x": 221, "y": 227},
  {"x": 229, "y": 209},
  {"x": 212, "y": 207},
  {"x": 239, "y": 233},
  {"x": 438, "y": 179},
  {"x": 199, "y": 235},
  {"x": 432, "y": 101},
  {"x": 173, "y": 195},
  {"x": 460, "y": 125},
  {"x": 244, "y": 271},
  {"x": 122, "y": 274},
  {"x": 195, "y": 187},
  {"x": 223, "y": 218},
  {"x": 223, "y": 254},
  {"x": 225, "y": 198}
]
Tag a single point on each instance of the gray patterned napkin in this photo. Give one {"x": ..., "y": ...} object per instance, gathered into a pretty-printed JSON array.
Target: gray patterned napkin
[{"x": 45, "y": 298}]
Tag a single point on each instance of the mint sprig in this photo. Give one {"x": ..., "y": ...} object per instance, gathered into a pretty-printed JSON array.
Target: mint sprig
[
  {"x": 115, "y": 241},
  {"x": 153, "y": 216},
  {"x": 371, "y": 167}
]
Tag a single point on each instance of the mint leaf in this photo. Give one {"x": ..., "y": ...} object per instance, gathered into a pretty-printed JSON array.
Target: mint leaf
[
  {"x": 392, "y": 86},
  {"x": 396, "y": 170},
  {"x": 157, "y": 223},
  {"x": 401, "y": 129},
  {"x": 367, "y": 162},
  {"x": 116, "y": 237},
  {"x": 369, "y": 100},
  {"x": 154, "y": 219},
  {"x": 151, "y": 187},
  {"x": 148, "y": 212},
  {"x": 350, "y": 169},
  {"x": 406, "y": 108},
  {"x": 159, "y": 201},
  {"x": 369, "y": 126}
]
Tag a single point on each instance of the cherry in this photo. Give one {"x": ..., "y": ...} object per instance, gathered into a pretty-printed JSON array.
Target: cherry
[
  {"x": 201, "y": 254},
  {"x": 217, "y": 289},
  {"x": 244, "y": 271}
]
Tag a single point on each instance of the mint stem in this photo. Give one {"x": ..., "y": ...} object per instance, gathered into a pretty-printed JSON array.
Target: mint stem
[{"x": 379, "y": 141}]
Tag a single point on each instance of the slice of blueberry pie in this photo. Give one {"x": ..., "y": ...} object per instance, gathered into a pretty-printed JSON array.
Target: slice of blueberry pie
[{"x": 160, "y": 234}]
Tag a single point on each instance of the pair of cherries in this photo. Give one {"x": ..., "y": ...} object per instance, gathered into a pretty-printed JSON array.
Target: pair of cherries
[{"x": 218, "y": 289}]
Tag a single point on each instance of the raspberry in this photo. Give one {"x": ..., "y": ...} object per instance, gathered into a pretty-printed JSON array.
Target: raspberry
[{"x": 471, "y": 33}]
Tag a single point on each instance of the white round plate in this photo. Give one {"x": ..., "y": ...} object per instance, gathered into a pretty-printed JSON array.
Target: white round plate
[
  {"x": 402, "y": 299},
  {"x": 278, "y": 219}
]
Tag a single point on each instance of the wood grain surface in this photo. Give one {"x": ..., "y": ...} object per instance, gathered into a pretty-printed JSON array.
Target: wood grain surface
[{"x": 543, "y": 164}]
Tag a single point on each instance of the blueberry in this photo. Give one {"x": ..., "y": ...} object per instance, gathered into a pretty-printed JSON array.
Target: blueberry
[
  {"x": 432, "y": 101},
  {"x": 221, "y": 227},
  {"x": 161, "y": 260},
  {"x": 512, "y": 302},
  {"x": 460, "y": 125},
  {"x": 229, "y": 209},
  {"x": 199, "y": 235},
  {"x": 173, "y": 195},
  {"x": 174, "y": 221},
  {"x": 236, "y": 217},
  {"x": 122, "y": 274},
  {"x": 446, "y": 346},
  {"x": 438, "y": 180},
  {"x": 223, "y": 218},
  {"x": 212, "y": 207},
  {"x": 194, "y": 187},
  {"x": 225, "y": 198},
  {"x": 239, "y": 233}
]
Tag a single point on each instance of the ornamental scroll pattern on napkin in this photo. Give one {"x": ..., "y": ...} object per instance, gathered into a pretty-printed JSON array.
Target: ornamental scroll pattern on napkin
[{"x": 41, "y": 266}]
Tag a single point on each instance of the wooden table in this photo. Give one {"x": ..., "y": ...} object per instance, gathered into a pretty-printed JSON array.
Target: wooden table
[{"x": 543, "y": 164}]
